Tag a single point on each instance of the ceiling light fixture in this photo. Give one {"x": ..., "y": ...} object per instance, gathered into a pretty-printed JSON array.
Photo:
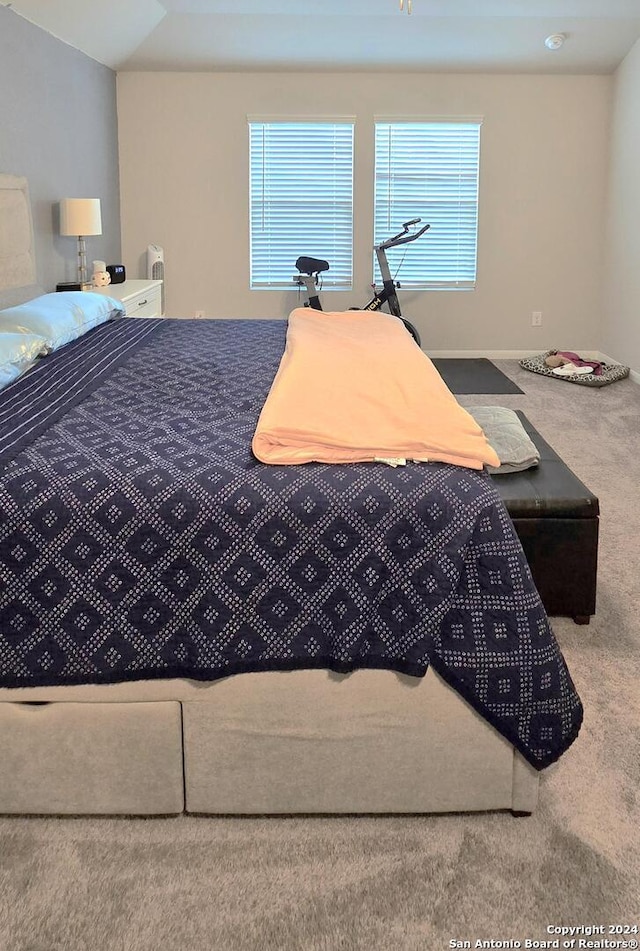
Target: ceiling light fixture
[
  {"x": 555, "y": 41},
  {"x": 409, "y": 3}
]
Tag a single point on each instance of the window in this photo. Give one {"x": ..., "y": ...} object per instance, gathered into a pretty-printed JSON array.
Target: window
[
  {"x": 429, "y": 170},
  {"x": 301, "y": 200}
]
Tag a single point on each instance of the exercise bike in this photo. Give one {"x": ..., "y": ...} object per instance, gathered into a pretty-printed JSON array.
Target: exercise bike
[{"x": 310, "y": 270}]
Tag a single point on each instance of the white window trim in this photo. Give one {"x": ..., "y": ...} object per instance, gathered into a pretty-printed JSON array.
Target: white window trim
[
  {"x": 420, "y": 250},
  {"x": 341, "y": 263}
]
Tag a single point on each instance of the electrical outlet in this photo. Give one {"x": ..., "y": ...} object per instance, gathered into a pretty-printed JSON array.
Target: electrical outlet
[
  {"x": 536, "y": 318},
  {"x": 199, "y": 314}
]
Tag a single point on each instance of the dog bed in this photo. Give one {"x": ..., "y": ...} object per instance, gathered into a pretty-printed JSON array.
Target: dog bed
[{"x": 610, "y": 371}]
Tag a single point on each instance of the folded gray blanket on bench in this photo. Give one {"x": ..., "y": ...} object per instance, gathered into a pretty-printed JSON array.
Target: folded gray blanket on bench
[{"x": 506, "y": 434}]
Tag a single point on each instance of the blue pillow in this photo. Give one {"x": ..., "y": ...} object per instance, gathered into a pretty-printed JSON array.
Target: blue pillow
[
  {"x": 18, "y": 351},
  {"x": 60, "y": 317}
]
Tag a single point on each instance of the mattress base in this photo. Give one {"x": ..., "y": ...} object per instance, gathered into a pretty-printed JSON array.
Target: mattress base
[
  {"x": 91, "y": 758},
  {"x": 276, "y": 743}
]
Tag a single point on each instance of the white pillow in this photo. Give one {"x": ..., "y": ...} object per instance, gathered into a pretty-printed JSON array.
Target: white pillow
[
  {"x": 60, "y": 317},
  {"x": 18, "y": 352}
]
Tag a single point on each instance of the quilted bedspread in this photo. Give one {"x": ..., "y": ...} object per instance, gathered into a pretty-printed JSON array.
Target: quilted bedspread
[{"x": 140, "y": 538}]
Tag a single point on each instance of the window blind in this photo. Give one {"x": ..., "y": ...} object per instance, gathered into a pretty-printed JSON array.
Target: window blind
[
  {"x": 301, "y": 200},
  {"x": 429, "y": 170}
]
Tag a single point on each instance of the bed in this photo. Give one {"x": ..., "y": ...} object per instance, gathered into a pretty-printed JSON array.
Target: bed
[{"x": 185, "y": 629}]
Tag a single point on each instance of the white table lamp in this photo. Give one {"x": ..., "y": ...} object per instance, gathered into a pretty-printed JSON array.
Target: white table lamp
[{"x": 80, "y": 217}]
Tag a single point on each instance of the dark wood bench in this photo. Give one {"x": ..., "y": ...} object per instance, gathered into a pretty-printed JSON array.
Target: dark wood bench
[{"x": 556, "y": 518}]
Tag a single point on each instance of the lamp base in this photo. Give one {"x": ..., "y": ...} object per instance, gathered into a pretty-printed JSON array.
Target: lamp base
[{"x": 73, "y": 286}]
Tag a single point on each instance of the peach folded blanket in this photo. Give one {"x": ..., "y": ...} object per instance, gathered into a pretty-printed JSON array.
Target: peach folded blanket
[{"x": 353, "y": 386}]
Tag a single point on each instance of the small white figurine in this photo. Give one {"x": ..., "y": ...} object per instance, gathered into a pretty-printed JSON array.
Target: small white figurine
[{"x": 101, "y": 276}]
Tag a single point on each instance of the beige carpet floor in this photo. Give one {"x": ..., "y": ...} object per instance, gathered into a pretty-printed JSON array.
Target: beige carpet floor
[{"x": 390, "y": 883}]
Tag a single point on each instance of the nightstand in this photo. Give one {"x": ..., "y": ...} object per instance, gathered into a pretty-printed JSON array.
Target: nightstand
[{"x": 140, "y": 298}]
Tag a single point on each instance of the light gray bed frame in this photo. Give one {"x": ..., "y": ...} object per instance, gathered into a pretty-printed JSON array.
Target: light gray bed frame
[{"x": 306, "y": 741}]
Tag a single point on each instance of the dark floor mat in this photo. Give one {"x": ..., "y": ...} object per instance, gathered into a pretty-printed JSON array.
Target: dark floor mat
[{"x": 473, "y": 375}]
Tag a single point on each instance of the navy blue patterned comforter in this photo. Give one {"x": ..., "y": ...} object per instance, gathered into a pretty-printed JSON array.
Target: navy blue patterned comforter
[{"x": 140, "y": 538}]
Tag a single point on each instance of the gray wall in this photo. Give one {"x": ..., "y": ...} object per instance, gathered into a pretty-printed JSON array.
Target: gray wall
[
  {"x": 543, "y": 174},
  {"x": 621, "y": 327},
  {"x": 58, "y": 127}
]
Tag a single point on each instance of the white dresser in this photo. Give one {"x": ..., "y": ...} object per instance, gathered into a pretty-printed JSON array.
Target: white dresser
[{"x": 140, "y": 298}]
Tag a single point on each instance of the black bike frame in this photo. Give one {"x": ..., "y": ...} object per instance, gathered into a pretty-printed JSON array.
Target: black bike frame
[
  {"x": 310, "y": 282},
  {"x": 387, "y": 295}
]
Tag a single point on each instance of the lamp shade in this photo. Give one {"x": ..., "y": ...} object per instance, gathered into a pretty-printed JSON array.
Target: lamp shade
[{"x": 80, "y": 216}]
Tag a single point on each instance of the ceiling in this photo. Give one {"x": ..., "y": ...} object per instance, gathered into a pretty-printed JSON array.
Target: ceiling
[{"x": 343, "y": 35}]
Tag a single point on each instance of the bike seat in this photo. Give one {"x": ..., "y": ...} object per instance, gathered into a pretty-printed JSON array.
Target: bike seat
[{"x": 311, "y": 265}]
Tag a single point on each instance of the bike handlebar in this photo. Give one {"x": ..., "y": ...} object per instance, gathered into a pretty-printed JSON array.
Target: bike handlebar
[{"x": 403, "y": 237}]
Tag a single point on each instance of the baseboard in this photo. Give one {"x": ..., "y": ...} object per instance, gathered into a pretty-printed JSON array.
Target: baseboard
[
  {"x": 634, "y": 375},
  {"x": 489, "y": 354}
]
